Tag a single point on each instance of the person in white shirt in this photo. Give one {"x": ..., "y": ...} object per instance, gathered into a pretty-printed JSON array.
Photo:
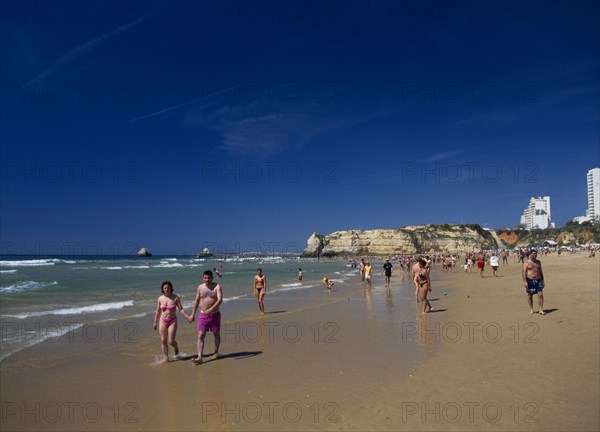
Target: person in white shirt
[{"x": 494, "y": 262}]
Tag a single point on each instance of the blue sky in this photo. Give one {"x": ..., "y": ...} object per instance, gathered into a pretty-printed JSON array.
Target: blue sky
[{"x": 250, "y": 125}]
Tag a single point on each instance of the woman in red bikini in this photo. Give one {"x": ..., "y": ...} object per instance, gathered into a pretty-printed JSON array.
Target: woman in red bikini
[{"x": 166, "y": 310}]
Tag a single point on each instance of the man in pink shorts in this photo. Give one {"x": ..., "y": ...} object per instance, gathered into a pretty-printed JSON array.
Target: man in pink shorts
[{"x": 209, "y": 296}]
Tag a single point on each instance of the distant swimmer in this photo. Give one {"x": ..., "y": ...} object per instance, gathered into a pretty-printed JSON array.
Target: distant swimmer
[
  {"x": 423, "y": 281},
  {"x": 300, "y": 274},
  {"x": 260, "y": 289},
  {"x": 533, "y": 280},
  {"x": 166, "y": 310},
  {"x": 209, "y": 296},
  {"x": 217, "y": 272},
  {"x": 328, "y": 283}
]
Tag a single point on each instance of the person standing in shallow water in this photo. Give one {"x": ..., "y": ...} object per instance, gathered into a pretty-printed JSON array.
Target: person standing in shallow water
[
  {"x": 166, "y": 311},
  {"x": 209, "y": 297},
  {"x": 424, "y": 283},
  {"x": 260, "y": 289},
  {"x": 387, "y": 271}
]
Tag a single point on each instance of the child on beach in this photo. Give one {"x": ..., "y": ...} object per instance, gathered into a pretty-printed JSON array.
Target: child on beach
[
  {"x": 166, "y": 307},
  {"x": 300, "y": 274},
  {"x": 328, "y": 283}
]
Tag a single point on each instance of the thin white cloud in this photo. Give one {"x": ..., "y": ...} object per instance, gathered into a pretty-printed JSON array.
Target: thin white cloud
[
  {"x": 210, "y": 101},
  {"x": 74, "y": 54},
  {"x": 444, "y": 155}
]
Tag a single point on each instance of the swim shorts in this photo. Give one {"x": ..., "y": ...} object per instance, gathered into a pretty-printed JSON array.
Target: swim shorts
[
  {"x": 480, "y": 264},
  {"x": 534, "y": 286},
  {"x": 209, "y": 322}
]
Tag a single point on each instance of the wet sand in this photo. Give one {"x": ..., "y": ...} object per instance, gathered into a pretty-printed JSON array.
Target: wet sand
[{"x": 360, "y": 360}]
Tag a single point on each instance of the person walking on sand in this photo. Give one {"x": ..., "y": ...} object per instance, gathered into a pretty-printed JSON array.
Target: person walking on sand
[
  {"x": 209, "y": 297},
  {"x": 368, "y": 273},
  {"x": 424, "y": 282},
  {"x": 533, "y": 280},
  {"x": 415, "y": 269},
  {"x": 166, "y": 310},
  {"x": 387, "y": 272},
  {"x": 504, "y": 257},
  {"x": 260, "y": 289},
  {"x": 362, "y": 270},
  {"x": 480, "y": 263},
  {"x": 494, "y": 262}
]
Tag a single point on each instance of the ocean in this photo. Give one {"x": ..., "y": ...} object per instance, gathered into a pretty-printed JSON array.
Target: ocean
[{"x": 44, "y": 298}]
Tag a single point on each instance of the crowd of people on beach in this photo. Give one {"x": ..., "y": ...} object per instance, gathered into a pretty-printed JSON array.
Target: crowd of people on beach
[{"x": 209, "y": 295}]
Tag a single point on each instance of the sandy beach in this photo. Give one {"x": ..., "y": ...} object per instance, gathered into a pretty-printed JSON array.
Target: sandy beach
[{"x": 357, "y": 360}]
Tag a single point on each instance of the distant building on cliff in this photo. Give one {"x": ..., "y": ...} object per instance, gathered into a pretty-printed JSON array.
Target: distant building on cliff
[
  {"x": 537, "y": 215},
  {"x": 593, "y": 196}
]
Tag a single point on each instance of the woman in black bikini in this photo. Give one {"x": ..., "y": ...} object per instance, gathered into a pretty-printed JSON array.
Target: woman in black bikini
[
  {"x": 260, "y": 289},
  {"x": 424, "y": 283}
]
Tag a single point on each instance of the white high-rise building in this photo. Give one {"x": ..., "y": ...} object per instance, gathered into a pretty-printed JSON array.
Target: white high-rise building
[
  {"x": 593, "y": 189},
  {"x": 537, "y": 215},
  {"x": 593, "y": 195}
]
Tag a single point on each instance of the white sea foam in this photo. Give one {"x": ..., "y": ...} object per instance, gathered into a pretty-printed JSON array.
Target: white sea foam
[
  {"x": 140, "y": 266},
  {"x": 100, "y": 307},
  {"x": 8, "y": 271},
  {"x": 26, "y": 286},
  {"x": 26, "y": 263},
  {"x": 112, "y": 268},
  {"x": 295, "y": 284},
  {"x": 274, "y": 258},
  {"x": 234, "y": 298},
  {"x": 169, "y": 265},
  {"x": 292, "y": 288}
]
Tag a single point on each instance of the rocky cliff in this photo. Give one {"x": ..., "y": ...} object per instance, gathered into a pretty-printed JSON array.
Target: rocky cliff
[
  {"x": 406, "y": 240},
  {"x": 571, "y": 234}
]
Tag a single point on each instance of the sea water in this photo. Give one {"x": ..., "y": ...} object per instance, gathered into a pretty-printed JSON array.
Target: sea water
[{"x": 44, "y": 298}]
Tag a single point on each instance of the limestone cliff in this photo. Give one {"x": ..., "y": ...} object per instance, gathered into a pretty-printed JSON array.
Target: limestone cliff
[{"x": 406, "y": 240}]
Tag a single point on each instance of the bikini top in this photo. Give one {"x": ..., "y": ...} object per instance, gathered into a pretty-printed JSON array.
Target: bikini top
[{"x": 169, "y": 307}]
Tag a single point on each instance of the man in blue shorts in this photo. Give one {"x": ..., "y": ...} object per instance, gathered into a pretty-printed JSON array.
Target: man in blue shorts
[{"x": 533, "y": 280}]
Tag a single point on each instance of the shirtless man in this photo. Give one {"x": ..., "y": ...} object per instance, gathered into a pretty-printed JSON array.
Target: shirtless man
[
  {"x": 533, "y": 280},
  {"x": 416, "y": 268},
  {"x": 480, "y": 263},
  {"x": 260, "y": 289},
  {"x": 209, "y": 296}
]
